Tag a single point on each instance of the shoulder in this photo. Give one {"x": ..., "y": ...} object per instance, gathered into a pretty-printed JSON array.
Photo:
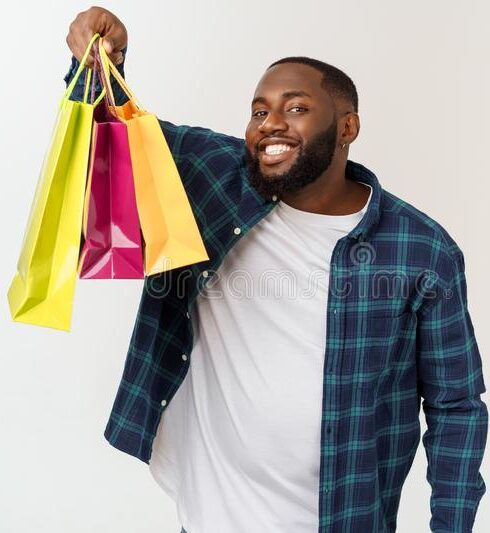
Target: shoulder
[
  {"x": 427, "y": 246},
  {"x": 406, "y": 217}
]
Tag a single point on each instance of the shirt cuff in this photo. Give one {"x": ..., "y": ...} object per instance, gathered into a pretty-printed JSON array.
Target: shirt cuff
[{"x": 77, "y": 94}]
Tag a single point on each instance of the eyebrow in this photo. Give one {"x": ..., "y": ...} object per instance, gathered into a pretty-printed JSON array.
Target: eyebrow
[{"x": 287, "y": 95}]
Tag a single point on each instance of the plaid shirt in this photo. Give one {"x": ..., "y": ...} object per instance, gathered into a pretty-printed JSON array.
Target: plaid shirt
[{"x": 398, "y": 329}]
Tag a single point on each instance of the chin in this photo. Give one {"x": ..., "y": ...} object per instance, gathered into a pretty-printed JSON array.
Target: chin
[{"x": 275, "y": 170}]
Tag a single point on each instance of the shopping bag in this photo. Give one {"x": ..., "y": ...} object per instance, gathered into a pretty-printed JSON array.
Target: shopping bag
[
  {"x": 112, "y": 246},
  {"x": 170, "y": 232},
  {"x": 42, "y": 290}
]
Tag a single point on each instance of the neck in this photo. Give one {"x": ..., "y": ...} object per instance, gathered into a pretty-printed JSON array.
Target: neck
[{"x": 331, "y": 194}]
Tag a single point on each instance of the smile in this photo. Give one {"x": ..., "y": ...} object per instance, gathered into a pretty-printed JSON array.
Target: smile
[{"x": 276, "y": 154}]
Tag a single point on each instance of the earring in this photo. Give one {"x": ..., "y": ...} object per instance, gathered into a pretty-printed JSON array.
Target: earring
[{"x": 342, "y": 147}]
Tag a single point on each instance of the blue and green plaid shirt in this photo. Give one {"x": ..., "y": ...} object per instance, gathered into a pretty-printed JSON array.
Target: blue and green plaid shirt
[{"x": 398, "y": 330}]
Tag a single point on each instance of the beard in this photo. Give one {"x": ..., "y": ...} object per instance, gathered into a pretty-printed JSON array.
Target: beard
[{"x": 309, "y": 165}]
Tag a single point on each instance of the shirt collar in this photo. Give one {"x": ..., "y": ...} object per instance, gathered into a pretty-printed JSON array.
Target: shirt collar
[{"x": 356, "y": 171}]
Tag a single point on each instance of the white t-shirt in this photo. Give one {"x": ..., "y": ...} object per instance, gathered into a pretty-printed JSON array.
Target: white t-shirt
[{"x": 238, "y": 446}]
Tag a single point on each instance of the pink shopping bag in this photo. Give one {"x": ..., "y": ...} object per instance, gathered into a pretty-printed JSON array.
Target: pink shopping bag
[{"x": 111, "y": 241}]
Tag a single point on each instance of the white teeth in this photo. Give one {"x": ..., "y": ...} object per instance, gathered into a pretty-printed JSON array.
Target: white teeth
[{"x": 274, "y": 149}]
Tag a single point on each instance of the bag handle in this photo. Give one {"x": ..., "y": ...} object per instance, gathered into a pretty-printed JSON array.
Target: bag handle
[
  {"x": 81, "y": 66},
  {"x": 108, "y": 94},
  {"x": 108, "y": 67},
  {"x": 91, "y": 86},
  {"x": 103, "y": 74},
  {"x": 88, "y": 73}
]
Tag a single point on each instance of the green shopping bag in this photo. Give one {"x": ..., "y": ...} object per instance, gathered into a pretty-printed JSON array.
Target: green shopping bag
[{"x": 42, "y": 290}]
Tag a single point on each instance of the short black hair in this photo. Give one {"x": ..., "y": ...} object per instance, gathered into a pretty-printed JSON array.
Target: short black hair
[{"x": 334, "y": 81}]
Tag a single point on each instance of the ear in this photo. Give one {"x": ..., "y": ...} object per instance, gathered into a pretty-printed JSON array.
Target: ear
[{"x": 350, "y": 126}]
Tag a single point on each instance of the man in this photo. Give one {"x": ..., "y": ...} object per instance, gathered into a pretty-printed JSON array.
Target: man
[{"x": 277, "y": 386}]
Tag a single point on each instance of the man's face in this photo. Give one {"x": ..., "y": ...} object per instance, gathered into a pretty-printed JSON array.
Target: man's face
[{"x": 289, "y": 108}]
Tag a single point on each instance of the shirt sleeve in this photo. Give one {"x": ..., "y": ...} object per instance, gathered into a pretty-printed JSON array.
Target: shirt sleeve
[
  {"x": 202, "y": 150},
  {"x": 77, "y": 94},
  {"x": 450, "y": 379}
]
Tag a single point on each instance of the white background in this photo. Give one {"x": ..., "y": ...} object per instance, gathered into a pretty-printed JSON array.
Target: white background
[{"x": 423, "y": 77}]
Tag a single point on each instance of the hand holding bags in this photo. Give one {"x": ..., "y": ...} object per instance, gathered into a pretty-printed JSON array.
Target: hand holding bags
[
  {"x": 42, "y": 290},
  {"x": 170, "y": 232}
]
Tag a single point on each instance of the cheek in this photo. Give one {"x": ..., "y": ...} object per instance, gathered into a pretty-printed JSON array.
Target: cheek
[
  {"x": 305, "y": 128},
  {"x": 250, "y": 137}
]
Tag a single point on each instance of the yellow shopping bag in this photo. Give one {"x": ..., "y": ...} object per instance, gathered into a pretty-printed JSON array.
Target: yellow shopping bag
[
  {"x": 171, "y": 235},
  {"x": 42, "y": 290}
]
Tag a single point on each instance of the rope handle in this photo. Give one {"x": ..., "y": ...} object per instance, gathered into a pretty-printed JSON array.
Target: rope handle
[
  {"x": 81, "y": 67},
  {"x": 108, "y": 67}
]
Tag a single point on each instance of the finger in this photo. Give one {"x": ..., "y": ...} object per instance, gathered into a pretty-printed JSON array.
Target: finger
[
  {"x": 90, "y": 58},
  {"x": 90, "y": 61},
  {"x": 81, "y": 49},
  {"x": 116, "y": 36},
  {"x": 74, "y": 45},
  {"x": 108, "y": 45},
  {"x": 116, "y": 58},
  {"x": 80, "y": 42},
  {"x": 77, "y": 52}
]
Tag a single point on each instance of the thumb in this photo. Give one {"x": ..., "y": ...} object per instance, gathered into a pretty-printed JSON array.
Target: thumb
[{"x": 108, "y": 44}]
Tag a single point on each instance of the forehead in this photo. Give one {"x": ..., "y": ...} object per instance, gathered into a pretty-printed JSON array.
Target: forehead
[{"x": 287, "y": 77}]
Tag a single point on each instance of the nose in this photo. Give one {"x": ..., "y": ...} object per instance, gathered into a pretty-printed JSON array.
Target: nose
[{"x": 273, "y": 122}]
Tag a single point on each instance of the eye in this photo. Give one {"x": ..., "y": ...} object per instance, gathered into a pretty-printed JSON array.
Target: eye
[{"x": 257, "y": 113}]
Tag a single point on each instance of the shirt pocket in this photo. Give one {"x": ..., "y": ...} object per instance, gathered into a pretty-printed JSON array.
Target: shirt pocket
[{"x": 384, "y": 336}]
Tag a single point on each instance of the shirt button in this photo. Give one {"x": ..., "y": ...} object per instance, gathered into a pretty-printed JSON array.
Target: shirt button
[
  {"x": 335, "y": 311},
  {"x": 184, "y": 357},
  {"x": 188, "y": 315},
  {"x": 274, "y": 198},
  {"x": 205, "y": 273},
  {"x": 237, "y": 231},
  {"x": 163, "y": 403}
]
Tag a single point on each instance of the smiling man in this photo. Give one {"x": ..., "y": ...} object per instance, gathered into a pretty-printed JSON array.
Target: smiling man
[{"x": 276, "y": 388}]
